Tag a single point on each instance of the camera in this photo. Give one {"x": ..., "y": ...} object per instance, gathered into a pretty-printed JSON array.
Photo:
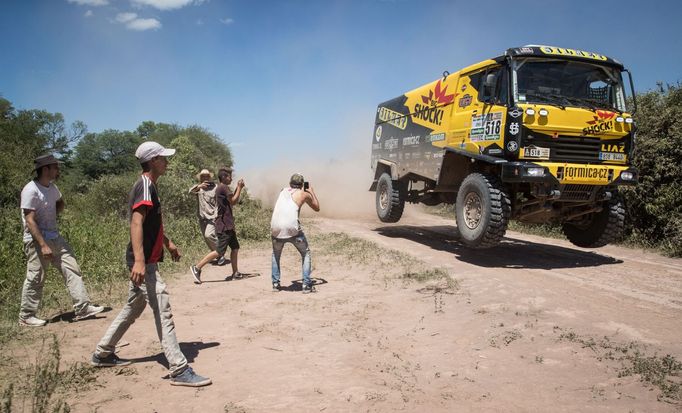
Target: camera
[{"x": 306, "y": 185}]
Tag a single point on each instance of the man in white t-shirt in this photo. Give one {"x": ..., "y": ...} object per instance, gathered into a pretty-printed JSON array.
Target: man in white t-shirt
[
  {"x": 285, "y": 227},
  {"x": 41, "y": 201}
]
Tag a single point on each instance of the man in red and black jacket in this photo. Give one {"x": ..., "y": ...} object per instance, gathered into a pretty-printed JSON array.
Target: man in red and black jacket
[{"x": 144, "y": 252}]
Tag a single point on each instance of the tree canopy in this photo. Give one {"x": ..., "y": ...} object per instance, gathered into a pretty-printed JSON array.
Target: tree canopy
[{"x": 26, "y": 134}]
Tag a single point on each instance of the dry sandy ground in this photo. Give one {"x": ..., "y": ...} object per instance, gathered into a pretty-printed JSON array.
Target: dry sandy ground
[{"x": 368, "y": 341}]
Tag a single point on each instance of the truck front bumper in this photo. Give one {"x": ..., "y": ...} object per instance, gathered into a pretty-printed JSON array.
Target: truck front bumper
[{"x": 554, "y": 173}]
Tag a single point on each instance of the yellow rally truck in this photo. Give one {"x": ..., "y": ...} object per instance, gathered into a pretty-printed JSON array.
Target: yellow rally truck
[{"x": 540, "y": 134}]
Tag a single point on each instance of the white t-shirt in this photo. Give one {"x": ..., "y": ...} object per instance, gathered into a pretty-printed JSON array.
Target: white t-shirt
[
  {"x": 42, "y": 200},
  {"x": 284, "y": 223}
]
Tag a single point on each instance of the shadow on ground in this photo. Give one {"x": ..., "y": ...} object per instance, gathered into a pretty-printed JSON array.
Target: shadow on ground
[
  {"x": 510, "y": 253},
  {"x": 70, "y": 317},
  {"x": 244, "y": 276},
  {"x": 190, "y": 350},
  {"x": 297, "y": 285}
]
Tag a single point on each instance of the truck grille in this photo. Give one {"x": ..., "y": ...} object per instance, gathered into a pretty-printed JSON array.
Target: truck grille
[
  {"x": 569, "y": 148},
  {"x": 572, "y": 192}
]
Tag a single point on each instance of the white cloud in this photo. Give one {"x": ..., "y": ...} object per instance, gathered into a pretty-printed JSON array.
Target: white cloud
[
  {"x": 164, "y": 4},
  {"x": 144, "y": 24},
  {"x": 93, "y": 3},
  {"x": 126, "y": 17},
  {"x": 88, "y": 13},
  {"x": 226, "y": 21},
  {"x": 132, "y": 22}
]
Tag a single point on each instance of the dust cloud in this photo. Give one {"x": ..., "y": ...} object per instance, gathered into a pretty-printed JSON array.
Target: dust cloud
[{"x": 340, "y": 182}]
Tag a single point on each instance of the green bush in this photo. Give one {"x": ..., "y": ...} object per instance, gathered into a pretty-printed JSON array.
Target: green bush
[
  {"x": 251, "y": 219},
  {"x": 654, "y": 210},
  {"x": 107, "y": 195},
  {"x": 13, "y": 268}
]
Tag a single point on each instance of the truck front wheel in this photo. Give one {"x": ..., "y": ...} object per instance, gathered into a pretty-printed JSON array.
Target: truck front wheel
[
  {"x": 600, "y": 228},
  {"x": 390, "y": 200},
  {"x": 482, "y": 210}
]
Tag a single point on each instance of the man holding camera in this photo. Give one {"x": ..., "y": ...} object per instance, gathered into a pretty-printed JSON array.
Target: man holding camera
[{"x": 286, "y": 227}]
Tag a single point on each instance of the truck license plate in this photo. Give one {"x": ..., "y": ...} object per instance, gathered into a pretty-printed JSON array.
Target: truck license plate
[
  {"x": 536, "y": 152},
  {"x": 610, "y": 156}
]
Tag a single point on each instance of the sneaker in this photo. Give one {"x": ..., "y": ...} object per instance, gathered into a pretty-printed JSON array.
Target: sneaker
[
  {"x": 237, "y": 275},
  {"x": 276, "y": 287},
  {"x": 196, "y": 273},
  {"x": 112, "y": 360},
  {"x": 307, "y": 289},
  {"x": 89, "y": 311},
  {"x": 190, "y": 379},
  {"x": 221, "y": 261},
  {"x": 32, "y": 321}
]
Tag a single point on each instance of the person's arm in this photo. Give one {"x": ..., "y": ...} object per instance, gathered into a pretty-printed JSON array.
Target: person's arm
[
  {"x": 311, "y": 199},
  {"x": 30, "y": 216},
  {"x": 237, "y": 193},
  {"x": 170, "y": 246},
  {"x": 195, "y": 189},
  {"x": 136, "y": 221},
  {"x": 60, "y": 205}
]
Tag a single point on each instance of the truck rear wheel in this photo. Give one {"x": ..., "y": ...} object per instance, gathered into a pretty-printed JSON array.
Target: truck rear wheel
[
  {"x": 482, "y": 210},
  {"x": 600, "y": 228},
  {"x": 390, "y": 200}
]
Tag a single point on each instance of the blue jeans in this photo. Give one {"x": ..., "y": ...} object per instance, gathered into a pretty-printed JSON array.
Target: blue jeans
[{"x": 301, "y": 244}]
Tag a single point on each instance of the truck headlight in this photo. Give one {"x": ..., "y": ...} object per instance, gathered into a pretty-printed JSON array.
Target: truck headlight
[
  {"x": 534, "y": 171},
  {"x": 627, "y": 176}
]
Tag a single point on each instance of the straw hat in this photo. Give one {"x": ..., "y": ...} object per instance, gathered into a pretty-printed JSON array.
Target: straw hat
[{"x": 204, "y": 172}]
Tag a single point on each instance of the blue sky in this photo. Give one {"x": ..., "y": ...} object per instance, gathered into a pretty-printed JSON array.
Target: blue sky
[{"x": 292, "y": 78}]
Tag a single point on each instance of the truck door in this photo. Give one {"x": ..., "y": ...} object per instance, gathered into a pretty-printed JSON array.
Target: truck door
[{"x": 478, "y": 122}]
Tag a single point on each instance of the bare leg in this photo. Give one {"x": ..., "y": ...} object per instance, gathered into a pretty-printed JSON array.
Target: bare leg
[
  {"x": 233, "y": 260},
  {"x": 208, "y": 258}
]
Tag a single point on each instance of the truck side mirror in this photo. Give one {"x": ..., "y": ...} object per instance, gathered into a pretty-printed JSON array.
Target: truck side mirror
[
  {"x": 489, "y": 83},
  {"x": 490, "y": 80}
]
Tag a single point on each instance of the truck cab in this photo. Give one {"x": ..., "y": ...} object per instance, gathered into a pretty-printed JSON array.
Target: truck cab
[{"x": 539, "y": 134}]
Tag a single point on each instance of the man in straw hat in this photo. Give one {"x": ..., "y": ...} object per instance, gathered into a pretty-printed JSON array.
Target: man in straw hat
[
  {"x": 41, "y": 201},
  {"x": 145, "y": 251},
  {"x": 207, "y": 210}
]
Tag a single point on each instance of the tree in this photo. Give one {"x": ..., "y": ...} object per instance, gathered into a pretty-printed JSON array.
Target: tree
[
  {"x": 111, "y": 152},
  {"x": 24, "y": 135}
]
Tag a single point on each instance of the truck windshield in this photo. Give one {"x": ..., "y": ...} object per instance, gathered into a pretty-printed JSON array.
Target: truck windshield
[{"x": 568, "y": 83}]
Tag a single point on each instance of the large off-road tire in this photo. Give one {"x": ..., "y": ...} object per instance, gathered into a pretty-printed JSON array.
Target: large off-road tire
[
  {"x": 482, "y": 210},
  {"x": 600, "y": 228},
  {"x": 390, "y": 200}
]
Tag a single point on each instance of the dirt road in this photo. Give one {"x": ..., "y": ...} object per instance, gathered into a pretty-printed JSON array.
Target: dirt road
[{"x": 534, "y": 325}]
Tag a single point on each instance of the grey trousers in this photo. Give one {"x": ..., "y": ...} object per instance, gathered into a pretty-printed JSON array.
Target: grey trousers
[
  {"x": 153, "y": 292},
  {"x": 36, "y": 269},
  {"x": 208, "y": 232}
]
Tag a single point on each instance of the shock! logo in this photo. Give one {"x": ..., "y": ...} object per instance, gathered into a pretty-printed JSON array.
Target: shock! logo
[
  {"x": 428, "y": 110},
  {"x": 602, "y": 122}
]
